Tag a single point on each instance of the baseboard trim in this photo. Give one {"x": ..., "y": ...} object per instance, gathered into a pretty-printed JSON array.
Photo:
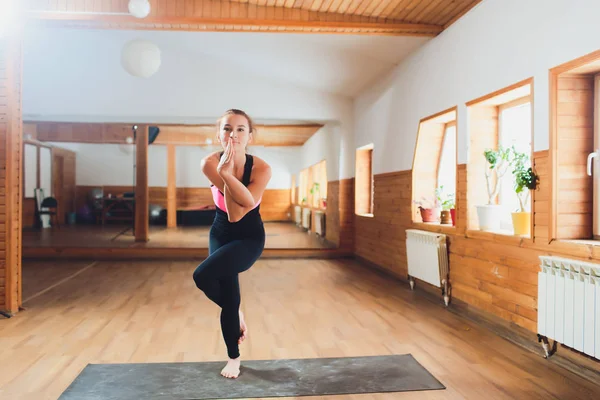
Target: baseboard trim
[{"x": 581, "y": 365}]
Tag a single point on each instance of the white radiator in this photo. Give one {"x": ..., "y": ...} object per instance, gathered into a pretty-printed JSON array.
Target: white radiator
[
  {"x": 298, "y": 215},
  {"x": 306, "y": 216},
  {"x": 320, "y": 223},
  {"x": 427, "y": 255},
  {"x": 569, "y": 304}
]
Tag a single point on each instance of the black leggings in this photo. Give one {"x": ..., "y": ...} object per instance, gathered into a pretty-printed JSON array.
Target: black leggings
[{"x": 217, "y": 276}]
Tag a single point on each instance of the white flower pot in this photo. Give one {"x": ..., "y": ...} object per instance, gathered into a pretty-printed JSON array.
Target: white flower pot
[{"x": 489, "y": 217}]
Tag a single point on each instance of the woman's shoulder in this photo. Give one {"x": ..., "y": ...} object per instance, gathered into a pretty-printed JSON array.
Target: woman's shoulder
[
  {"x": 214, "y": 156},
  {"x": 259, "y": 163},
  {"x": 261, "y": 166}
]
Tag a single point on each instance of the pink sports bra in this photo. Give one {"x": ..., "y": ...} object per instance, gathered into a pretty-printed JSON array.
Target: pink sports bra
[{"x": 219, "y": 197}]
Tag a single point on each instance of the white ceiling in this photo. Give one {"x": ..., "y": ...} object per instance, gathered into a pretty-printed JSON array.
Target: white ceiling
[
  {"x": 74, "y": 75},
  {"x": 336, "y": 64}
]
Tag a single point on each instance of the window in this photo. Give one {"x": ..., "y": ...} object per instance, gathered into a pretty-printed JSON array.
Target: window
[
  {"x": 434, "y": 170},
  {"x": 572, "y": 201},
  {"x": 302, "y": 188},
  {"x": 318, "y": 187},
  {"x": 293, "y": 190},
  {"x": 514, "y": 129},
  {"x": 363, "y": 189},
  {"x": 37, "y": 166},
  {"x": 500, "y": 132},
  {"x": 30, "y": 164},
  {"x": 446, "y": 176}
]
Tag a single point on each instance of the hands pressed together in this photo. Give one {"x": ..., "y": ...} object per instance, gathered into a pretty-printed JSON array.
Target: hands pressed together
[{"x": 225, "y": 166}]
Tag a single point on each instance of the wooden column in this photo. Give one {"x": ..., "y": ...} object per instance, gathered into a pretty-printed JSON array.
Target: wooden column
[
  {"x": 141, "y": 185},
  {"x": 11, "y": 138},
  {"x": 171, "y": 186}
]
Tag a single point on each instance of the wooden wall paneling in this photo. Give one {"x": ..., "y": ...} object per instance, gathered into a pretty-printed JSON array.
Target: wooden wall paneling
[
  {"x": 276, "y": 205},
  {"x": 461, "y": 198},
  {"x": 496, "y": 274},
  {"x": 142, "y": 221},
  {"x": 273, "y": 206},
  {"x": 11, "y": 185},
  {"x": 541, "y": 198},
  {"x": 346, "y": 206},
  {"x": 332, "y": 216},
  {"x": 381, "y": 239},
  {"x": 68, "y": 176},
  {"x": 171, "y": 186}
]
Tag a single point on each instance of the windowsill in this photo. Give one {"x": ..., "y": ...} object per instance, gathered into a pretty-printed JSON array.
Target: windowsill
[
  {"x": 365, "y": 215},
  {"x": 501, "y": 235},
  {"x": 435, "y": 227},
  {"x": 586, "y": 242}
]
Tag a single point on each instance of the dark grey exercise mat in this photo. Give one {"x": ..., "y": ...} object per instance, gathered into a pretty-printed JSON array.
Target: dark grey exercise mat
[{"x": 258, "y": 378}]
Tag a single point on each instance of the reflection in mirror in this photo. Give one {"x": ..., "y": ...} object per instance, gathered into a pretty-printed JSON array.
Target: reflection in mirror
[{"x": 90, "y": 169}]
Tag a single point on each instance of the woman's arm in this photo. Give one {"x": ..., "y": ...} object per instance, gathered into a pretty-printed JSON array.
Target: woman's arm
[
  {"x": 240, "y": 193},
  {"x": 261, "y": 174},
  {"x": 209, "y": 168}
]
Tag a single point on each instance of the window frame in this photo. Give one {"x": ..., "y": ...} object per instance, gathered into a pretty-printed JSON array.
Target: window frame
[
  {"x": 369, "y": 149},
  {"x": 446, "y": 126},
  {"x": 508, "y": 96},
  {"x": 446, "y": 117},
  {"x": 578, "y": 67}
]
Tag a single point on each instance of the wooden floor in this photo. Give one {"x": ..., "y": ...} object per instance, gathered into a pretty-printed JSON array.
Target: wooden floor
[
  {"x": 125, "y": 312},
  {"x": 279, "y": 235}
]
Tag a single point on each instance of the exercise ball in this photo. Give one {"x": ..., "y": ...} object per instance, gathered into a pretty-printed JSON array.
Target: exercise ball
[
  {"x": 139, "y": 8},
  {"x": 141, "y": 58}
]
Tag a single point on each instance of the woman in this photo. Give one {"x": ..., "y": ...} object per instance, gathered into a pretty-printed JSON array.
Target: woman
[{"x": 237, "y": 235}]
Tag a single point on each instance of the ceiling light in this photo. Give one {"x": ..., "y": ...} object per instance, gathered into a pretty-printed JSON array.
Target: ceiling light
[
  {"x": 139, "y": 8},
  {"x": 141, "y": 58}
]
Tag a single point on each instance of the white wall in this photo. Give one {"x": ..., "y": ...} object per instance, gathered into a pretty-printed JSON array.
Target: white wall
[
  {"x": 86, "y": 83},
  {"x": 323, "y": 145},
  {"x": 112, "y": 164},
  {"x": 498, "y": 43}
]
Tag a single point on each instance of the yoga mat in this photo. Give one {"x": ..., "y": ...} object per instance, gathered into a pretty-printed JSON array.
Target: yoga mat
[{"x": 258, "y": 378}]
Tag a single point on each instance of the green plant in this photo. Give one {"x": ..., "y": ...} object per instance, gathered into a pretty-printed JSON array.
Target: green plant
[
  {"x": 524, "y": 178},
  {"x": 445, "y": 200},
  {"x": 499, "y": 162},
  {"x": 316, "y": 187}
]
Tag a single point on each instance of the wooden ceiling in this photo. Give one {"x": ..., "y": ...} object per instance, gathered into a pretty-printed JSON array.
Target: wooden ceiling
[
  {"x": 374, "y": 17},
  {"x": 190, "y": 135}
]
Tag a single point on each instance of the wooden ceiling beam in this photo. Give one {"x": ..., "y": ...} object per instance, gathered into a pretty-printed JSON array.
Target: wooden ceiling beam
[
  {"x": 223, "y": 16},
  {"x": 195, "y": 135}
]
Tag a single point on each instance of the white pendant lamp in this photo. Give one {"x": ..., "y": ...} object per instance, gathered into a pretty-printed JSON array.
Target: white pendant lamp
[
  {"x": 139, "y": 8},
  {"x": 141, "y": 58}
]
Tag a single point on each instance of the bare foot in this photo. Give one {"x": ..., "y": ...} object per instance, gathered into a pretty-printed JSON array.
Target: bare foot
[
  {"x": 243, "y": 328},
  {"x": 232, "y": 369}
]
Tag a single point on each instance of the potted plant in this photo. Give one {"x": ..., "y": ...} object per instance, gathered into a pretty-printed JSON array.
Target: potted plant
[
  {"x": 498, "y": 162},
  {"x": 429, "y": 209},
  {"x": 525, "y": 180},
  {"x": 448, "y": 214}
]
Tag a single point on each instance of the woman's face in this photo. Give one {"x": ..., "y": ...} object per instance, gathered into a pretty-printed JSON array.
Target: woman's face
[{"x": 237, "y": 128}]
